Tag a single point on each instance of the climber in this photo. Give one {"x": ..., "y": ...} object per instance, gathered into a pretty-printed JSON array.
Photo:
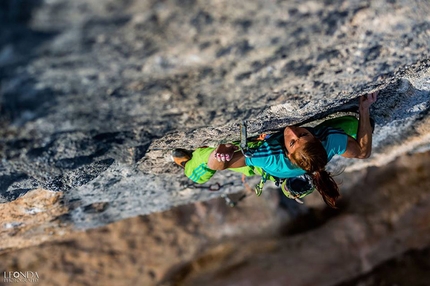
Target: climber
[{"x": 297, "y": 152}]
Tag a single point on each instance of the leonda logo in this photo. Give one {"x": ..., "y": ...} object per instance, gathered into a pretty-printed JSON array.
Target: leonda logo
[{"x": 20, "y": 277}]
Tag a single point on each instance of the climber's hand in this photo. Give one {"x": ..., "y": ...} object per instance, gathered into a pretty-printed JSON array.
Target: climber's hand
[
  {"x": 224, "y": 152},
  {"x": 367, "y": 100}
]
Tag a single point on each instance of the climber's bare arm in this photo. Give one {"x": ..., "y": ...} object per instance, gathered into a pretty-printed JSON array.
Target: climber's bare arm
[
  {"x": 225, "y": 156},
  {"x": 361, "y": 147}
]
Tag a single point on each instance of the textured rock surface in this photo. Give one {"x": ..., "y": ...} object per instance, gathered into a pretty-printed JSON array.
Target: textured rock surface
[{"x": 95, "y": 93}]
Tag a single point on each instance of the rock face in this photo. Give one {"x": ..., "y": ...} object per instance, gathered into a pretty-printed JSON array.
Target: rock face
[{"x": 94, "y": 94}]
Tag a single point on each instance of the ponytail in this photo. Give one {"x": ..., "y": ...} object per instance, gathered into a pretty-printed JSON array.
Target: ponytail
[
  {"x": 313, "y": 158},
  {"x": 326, "y": 186}
]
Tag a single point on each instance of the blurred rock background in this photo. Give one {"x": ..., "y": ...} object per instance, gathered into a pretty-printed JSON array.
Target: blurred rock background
[
  {"x": 95, "y": 94},
  {"x": 379, "y": 236}
]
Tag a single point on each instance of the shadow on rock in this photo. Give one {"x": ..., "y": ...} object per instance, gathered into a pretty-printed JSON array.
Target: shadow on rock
[{"x": 20, "y": 99}]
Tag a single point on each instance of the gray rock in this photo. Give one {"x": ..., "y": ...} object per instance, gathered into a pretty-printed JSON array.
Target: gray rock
[{"x": 95, "y": 94}]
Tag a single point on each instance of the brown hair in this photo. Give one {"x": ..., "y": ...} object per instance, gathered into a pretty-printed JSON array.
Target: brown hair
[{"x": 312, "y": 158}]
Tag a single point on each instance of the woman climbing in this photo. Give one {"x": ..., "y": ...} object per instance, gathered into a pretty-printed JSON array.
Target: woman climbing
[{"x": 295, "y": 152}]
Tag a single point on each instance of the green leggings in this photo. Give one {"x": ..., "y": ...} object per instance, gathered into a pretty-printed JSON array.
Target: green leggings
[{"x": 197, "y": 169}]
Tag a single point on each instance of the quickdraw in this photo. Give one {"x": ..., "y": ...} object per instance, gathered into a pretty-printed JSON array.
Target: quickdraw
[
  {"x": 216, "y": 187},
  {"x": 243, "y": 140},
  {"x": 259, "y": 187},
  {"x": 212, "y": 187}
]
